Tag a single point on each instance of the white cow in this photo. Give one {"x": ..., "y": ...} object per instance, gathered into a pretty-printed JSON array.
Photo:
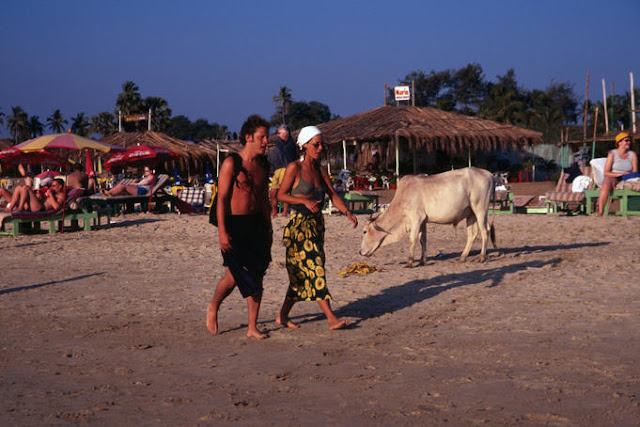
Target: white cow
[{"x": 445, "y": 198}]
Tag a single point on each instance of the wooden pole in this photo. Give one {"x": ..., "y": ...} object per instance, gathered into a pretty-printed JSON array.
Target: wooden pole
[
  {"x": 413, "y": 93},
  {"x": 595, "y": 125},
  {"x": 633, "y": 104},
  {"x": 344, "y": 154},
  {"x": 612, "y": 121},
  {"x": 586, "y": 107},
  {"x": 397, "y": 155},
  {"x": 385, "y": 95},
  {"x": 604, "y": 105}
]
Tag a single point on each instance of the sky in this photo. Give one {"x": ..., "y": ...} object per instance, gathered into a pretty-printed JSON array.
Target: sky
[{"x": 224, "y": 60}]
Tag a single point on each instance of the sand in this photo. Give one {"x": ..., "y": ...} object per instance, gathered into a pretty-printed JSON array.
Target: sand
[{"x": 108, "y": 327}]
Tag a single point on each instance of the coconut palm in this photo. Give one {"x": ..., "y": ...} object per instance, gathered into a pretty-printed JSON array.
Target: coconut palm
[
  {"x": 161, "y": 113},
  {"x": 17, "y": 123},
  {"x": 283, "y": 100},
  {"x": 35, "y": 126},
  {"x": 103, "y": 123},
  {"x": 56, "y": 122},
  {"x": 129, "y": 100},
  {"x": 80, "y": 125}
]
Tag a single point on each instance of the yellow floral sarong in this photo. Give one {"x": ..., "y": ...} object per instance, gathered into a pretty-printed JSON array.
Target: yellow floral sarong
[{"x": 304, "y": 242}]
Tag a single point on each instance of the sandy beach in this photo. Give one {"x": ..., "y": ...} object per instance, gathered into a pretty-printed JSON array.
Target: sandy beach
[{"x": 108, "y": 327}]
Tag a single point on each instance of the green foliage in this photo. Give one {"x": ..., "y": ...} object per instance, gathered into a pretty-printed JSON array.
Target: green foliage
[
  {"x": 298, "y": 113},
  {"x": 17, "y": 122},
  {"x": 35, "y": 127},
  {"x": 181, "y": 127},
  {"x": 56, "y": 122},
  {"x": 466, "y": 91},
  {"x": 103, "y": 123},
  {"x": 283, "y": 102},
  {"x": 80, "y": 125}
]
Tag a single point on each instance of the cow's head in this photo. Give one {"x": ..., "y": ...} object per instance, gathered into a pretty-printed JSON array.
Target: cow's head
[{"x": 373, "y": 237}]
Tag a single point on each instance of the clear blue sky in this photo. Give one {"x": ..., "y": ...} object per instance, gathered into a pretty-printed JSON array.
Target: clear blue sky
[{"x": 224, "y": 60}]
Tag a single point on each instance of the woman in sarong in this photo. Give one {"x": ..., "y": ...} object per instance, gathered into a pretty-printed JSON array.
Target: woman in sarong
[{"x": 304, "y": 186}]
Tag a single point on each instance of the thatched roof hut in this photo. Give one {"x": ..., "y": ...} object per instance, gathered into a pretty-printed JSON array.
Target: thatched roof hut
[
  {"x": 192, "y": 155},
  {"x": 422, "y": 131}
]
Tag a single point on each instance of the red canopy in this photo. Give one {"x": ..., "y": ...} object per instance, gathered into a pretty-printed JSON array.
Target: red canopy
[{"x": 139, "y": 155}]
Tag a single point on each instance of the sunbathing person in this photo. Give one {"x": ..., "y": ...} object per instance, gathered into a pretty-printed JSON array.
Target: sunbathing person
[
  {"x": 25, "y": 198},
  {"x": 8, "y": 195},
  {"x": 140, "y": 188}
]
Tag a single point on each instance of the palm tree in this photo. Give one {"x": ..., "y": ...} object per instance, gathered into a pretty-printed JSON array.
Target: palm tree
[
  {"x": 17, "y": 122},
  {"x": 103, "y": 123},
  {"x": 129, "y": 100},
  {"x": 56, "y": 122},
  {"x": 282, "y": 100},
  {"x": 1, "y": 118},
  {"x": 161, "y": 113},
  {"x": 80, "y": 125},
  {"x": 34, "y": 126}
]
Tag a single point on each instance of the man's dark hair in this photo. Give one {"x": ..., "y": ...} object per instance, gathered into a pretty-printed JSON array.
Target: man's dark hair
[
  {"x": 59, "y": 181},
  {"x": 250, "y": 126}
]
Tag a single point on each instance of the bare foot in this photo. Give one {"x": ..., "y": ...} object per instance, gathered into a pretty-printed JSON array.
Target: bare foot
[
  {"x": 337, "y": 324},
  {"x": 274, "y": 214},
  {"x": 254, "y": 333},
  {"x": 287, "y": 322},
  {"x": 212, "y": 319},
  {"x": 285, "y": 214}
]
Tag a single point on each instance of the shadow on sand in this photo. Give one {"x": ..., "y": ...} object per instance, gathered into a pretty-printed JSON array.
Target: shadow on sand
[{"x": 52, "y": 282}]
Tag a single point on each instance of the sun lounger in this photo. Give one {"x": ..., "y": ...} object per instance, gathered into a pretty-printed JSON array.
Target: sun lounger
[
  {"x": 157, "y": 195},
  {"x": 193, "y": 196},
  {"x": 563, "y": 198},
  {"x": 31, "y": 221}
]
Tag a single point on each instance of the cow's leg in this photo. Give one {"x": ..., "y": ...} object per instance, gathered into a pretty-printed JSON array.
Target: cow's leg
[
  {"x": 472, "y": 233},
  {"x": 413, "y": 238},
  {"x": 423, "y": 242},
  {"x": 482, "y": 217}
]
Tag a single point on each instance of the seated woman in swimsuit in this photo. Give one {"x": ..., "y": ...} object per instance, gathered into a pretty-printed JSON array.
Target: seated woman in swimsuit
[
  {"x": 620, "y": 161},
  {"x": 25, "y": 198},
  {"x": 140, "y": 188}
]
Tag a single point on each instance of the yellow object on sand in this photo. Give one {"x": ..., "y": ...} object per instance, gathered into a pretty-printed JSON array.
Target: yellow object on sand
[{"x": 359, "y": 268}]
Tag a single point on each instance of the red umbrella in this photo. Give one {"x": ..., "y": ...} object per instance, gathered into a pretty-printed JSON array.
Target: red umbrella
[
  {"x": 88, "y": 166},
  {"x": 139, "y": 155},
  {"x": 14, "y": 156}
]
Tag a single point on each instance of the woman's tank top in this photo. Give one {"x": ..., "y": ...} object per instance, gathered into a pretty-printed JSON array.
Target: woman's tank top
[{"x": 621, "y": 165}]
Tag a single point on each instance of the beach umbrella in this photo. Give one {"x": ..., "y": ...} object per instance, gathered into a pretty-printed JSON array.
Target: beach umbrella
[
  {"x": 140, "y": 155},
  {"x": 176, "y": 178},
  {"x": 88, "y": 166},
  {"x": 14, "y": 156},
  {"x": 67, "y": 141},
  {"x": 208, "y": 178}
]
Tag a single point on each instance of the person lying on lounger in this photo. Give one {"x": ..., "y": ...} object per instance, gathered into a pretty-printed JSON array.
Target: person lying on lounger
[
  {"x": 140, "y": 188},
  {"x": 26, "y": 199}
]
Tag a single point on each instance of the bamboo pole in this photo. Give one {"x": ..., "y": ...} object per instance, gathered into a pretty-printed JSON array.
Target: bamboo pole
[
  {"x": 586, "y": 107},
  {"x": 612, "y": 121},
  {"x": 604, "y": 104},
  {"x": 385, "y": 95},
  {"x": 413, "y": 93},
  {"x": 633, "y": 104},
  {"x": 344, "y": 154},
  {"x": 595, "y": 125}
]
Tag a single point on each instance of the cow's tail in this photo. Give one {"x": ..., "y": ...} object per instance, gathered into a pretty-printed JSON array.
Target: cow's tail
[{"x": 492, "y": 230}]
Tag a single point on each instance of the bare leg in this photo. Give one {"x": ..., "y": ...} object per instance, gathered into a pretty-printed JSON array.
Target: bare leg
[
  {"x": 334, "y": 321},
  {"x": 34, "y": 204},
  {"x": 285, "y": 209},
  {"x": 7, "y": 195},
  {"x": 603, "y": 197},
  {"x": 253, "y": 306},
  {"x": 283, "y": 317},
  {"x": 223, "y": 290},
  {"x": 274, "y": 201}
]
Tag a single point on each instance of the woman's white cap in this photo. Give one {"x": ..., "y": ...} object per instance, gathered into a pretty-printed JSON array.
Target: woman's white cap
[{"x": 306, "y": 133}]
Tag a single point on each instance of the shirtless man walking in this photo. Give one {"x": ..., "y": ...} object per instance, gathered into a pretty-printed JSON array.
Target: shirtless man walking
[{"x": 244, "y": 224}]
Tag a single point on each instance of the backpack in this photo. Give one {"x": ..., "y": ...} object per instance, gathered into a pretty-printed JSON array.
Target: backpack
[{"x": 237, "y": 167}]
